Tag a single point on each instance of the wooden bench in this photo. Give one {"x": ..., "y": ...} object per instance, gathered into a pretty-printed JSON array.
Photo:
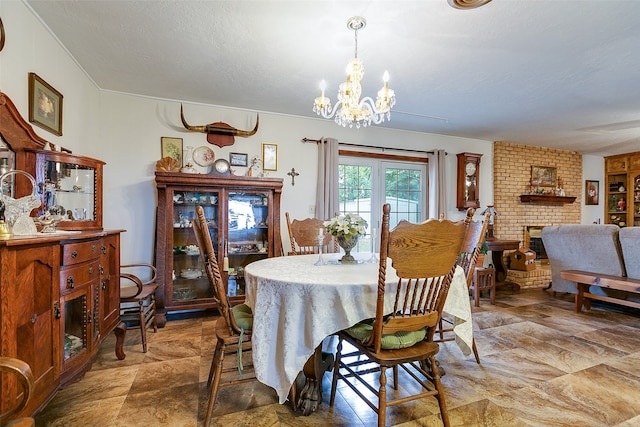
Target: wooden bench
[{"x": 584, "y": 279}]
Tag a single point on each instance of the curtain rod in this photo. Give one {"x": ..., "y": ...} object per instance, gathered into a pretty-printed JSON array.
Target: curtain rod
[{"x": 348, "y": 144}]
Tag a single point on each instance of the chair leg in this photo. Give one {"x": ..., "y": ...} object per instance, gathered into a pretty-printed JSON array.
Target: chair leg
[
  {"x": 382, "y": 397},
  {"x": 218, "y": 360},
  {"x": 216, "y": 353},
  {"x": 143, "y": 326},
  {"x": 440, "y": 396},
  {"x": 475, "y": 351},
  {"x": 336, "y": 370},
  {"x": 395, "y": 377}
]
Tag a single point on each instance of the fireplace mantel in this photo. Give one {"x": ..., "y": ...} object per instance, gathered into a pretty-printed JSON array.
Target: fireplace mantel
[{"x": 544, "y": 199}]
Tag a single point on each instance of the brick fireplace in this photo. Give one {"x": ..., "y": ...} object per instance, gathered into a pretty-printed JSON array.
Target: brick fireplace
[{"x": 512, "y": 177}]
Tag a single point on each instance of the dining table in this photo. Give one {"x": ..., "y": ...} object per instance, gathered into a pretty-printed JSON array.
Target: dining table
[{"x": 298, "y": 302}]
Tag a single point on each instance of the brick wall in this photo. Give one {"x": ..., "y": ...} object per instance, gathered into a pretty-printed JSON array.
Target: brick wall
[{"x": 512, "y": 177}]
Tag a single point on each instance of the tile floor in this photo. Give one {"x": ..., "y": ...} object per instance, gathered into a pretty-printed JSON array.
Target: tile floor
[{"x": 542, "y": 365}]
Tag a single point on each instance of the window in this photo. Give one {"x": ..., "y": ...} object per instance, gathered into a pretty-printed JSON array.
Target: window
[{"x": 365, "y": 184}]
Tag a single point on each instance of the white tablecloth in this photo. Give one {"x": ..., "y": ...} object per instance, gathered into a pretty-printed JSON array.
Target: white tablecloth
[{"x": 297, "y": 304}]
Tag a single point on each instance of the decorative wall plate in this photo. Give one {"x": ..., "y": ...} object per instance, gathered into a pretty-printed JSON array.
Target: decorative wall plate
[{"x": 204, "y": 156}]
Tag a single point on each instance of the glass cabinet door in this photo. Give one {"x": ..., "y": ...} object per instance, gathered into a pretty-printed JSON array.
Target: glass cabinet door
[
  {"x": 248, "y": 235},
  {"x": 189, "y": 278},
  {"x": 69, "y": 190},
  {"x": 636, "y": 200},
  {"x": 75, "y": 325}
]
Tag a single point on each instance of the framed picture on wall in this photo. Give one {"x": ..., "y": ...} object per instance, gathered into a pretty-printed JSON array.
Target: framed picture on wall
[
  {"x": 238, "y": 159},
  {"x": 45, "y": 105},
  {"x": 269, "y": 157},
  {"x": 171, "y": 147},
  {"x": 544, "y": 176},
  {"x": 592, "y": 192}
]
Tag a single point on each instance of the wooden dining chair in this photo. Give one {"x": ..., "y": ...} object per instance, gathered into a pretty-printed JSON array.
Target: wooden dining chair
[
  {"x": 233, "y": 328},
  {"x": 24, "y": 377},
  {"x": 303, "y": 234},
  {"x": 138, "y": 297},
  {"x": 424, "y": 257},
  {"x": 473, "y": 240}
]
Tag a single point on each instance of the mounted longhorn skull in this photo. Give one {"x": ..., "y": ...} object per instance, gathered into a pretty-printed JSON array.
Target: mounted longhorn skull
[{"x": 220, "y": 134}]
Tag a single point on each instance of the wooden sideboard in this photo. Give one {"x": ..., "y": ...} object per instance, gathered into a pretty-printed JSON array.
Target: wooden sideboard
[{"x": 59, "y": 298}]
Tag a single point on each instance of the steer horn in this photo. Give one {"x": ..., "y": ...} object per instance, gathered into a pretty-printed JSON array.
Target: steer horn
[{"x": 219, "y": 130}]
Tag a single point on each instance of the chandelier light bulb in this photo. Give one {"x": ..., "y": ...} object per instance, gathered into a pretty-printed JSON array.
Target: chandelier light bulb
[{"x": 352, "y": 110}]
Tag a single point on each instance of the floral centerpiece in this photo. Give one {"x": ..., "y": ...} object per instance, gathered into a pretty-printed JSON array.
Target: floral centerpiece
[{"x": 346, "y": 229}]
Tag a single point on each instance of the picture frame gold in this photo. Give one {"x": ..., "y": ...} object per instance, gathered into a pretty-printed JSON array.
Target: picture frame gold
[
  {"x": 171, "y": 147},
  {"x": 544, "y": 176},
  {"x": 591, "y": 192},
  {"x": 45, "y": 105},
  {"x": 269, "y": 157}
]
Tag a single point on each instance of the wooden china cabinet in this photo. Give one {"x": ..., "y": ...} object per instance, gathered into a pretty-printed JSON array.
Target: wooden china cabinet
[
  {"x": 243, "y": 214},
  {"x": 622, "y": 189},
  {"x": 59, "y": 291}
]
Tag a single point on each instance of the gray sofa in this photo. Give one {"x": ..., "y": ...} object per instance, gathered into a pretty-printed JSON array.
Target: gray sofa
[{"x": 598, "y": 248}]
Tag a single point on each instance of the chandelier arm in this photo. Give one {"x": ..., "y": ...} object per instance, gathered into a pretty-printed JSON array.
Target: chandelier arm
[{"x": 329, "y": 113}]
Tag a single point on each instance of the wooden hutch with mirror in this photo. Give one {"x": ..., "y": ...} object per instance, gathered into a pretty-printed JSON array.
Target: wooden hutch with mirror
[{"x": 59, "y": 290}]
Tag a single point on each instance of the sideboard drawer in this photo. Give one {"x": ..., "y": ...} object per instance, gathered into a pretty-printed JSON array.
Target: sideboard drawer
[
  {"x": 76, "y": 253},
  {"x": 73, "y": 277}
]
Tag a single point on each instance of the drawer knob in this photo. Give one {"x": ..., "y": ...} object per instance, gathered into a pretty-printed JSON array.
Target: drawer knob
[
  {"x": 70, "y": 282},
  {"x": 56, "y": 309},
  {"x": 33, "y": 319},
  {"x": 104, "y": 249},
  {"x": 90, "y": 270},
  {"x": 74, "y": 254},
  {"x": 93, "y": 248}
]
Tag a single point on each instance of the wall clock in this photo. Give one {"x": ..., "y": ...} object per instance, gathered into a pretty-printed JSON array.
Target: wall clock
[{"x": 468, "y": 195}]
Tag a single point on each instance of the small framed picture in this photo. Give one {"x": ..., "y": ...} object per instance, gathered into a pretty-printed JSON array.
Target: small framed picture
[
  {"x": 544, "y": 176},
  {"x": 45, "y": 105},
  {"x": 592, "y": 192},
  {"x": 171, "y": 147},
  {"x": 269, "y": 157},
  {"x": 238, "y": 159}
]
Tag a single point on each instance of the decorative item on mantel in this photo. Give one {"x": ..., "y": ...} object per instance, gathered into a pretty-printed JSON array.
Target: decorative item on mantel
[
  {"x": 346, "y": 229},
  {"x": 546, "y": 188}
]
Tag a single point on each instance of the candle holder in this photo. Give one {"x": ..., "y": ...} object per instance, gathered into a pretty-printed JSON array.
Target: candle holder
[
  {"x": 320, "y": 260},
  {"x": 373, "y": 258}
]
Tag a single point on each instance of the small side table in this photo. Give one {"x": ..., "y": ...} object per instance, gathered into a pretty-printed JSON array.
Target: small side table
[
  {"x": 484, "y": 278},
  {"x": 497, "y": 247}
]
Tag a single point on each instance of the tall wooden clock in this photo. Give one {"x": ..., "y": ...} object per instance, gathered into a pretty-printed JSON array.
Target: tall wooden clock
[{"x": 468, "y": 181}]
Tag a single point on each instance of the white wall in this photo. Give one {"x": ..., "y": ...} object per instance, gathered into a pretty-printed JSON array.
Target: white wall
[
  {"x": 593, "y": 170},
  {"x": 125, "y": 130}
]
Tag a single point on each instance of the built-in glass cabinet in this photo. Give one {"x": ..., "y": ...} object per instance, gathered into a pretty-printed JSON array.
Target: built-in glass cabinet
[
  {"x": 70, "y": 187},
  {"x": 243, "y": 217}
]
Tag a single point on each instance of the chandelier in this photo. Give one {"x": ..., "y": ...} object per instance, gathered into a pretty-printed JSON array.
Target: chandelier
[{"x": 350, "y": 109}]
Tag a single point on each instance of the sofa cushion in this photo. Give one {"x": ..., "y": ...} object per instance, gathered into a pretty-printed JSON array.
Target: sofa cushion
[
  {"x": 630, "y": 244},
  {"x": 588, "y": 247}
]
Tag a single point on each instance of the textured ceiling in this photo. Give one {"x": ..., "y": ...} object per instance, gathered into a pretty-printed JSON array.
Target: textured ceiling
[{"x": 556, "y": 73}]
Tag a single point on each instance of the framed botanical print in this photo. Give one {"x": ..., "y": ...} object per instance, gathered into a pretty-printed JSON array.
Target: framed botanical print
[
  {"x": 238, "y": 159},
  {"x": 45, "y": 105},
  {"x": 171, "y": 147}
]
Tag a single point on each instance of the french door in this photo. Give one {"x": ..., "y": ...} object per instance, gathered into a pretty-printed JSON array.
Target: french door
[{"x": 365, "y": 184}]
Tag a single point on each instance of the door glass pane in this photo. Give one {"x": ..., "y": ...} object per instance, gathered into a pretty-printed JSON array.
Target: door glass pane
[
  {"x": 189, "y": 279},
  {"x": 404, "y": 192},
  {"x": 248, "y": 238},
  {"x": 75, "y": 332}
]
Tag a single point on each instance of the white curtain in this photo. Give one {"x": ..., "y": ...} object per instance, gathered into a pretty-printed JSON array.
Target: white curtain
[
  {"x": 437, "y": 183},
  {"x": 327, "y": 187}
]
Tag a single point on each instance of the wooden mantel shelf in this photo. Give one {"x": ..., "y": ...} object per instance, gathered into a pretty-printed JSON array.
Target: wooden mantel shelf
[{"x": 543, "y": 199}]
